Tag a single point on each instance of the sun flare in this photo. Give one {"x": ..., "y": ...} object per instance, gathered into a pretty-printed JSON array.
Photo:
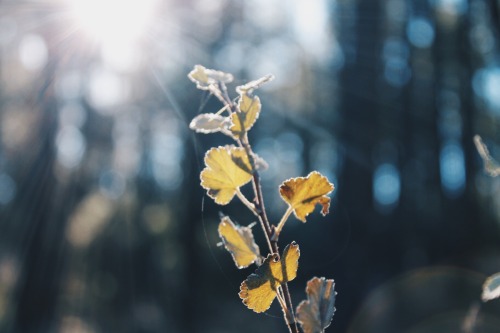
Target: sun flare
[{"x": 117, "y": 21}]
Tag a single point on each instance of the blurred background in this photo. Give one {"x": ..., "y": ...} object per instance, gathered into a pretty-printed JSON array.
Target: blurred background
[{"x": 105, "y": 228}]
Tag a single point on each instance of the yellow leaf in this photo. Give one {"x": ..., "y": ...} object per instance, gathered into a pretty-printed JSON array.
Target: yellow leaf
[
  {"x": 315, "y": 314},
  {"x": 227, "y": 168},
  {"x": 204, "y": 77},
  {"x": 259, "y": 290},
  {"x": 247, "y": 114},
  {"x": 303, "y": 193},
  {"x": 239, "y": 241}
]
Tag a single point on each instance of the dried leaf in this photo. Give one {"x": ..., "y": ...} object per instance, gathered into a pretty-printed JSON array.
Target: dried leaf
[
  {"x": 316, "y": 313},
  {"x": 303, "y": 193},
  {"x": 491, "y": 288},
  {"x": 204, "y": 78},
  {"x": 239, "y": 241},
  {"x": 246, "y": 116},
  {"x": 227, "y": 168},
  {"x": 259, "y": 290},
  {"x": 209, "y": 123},
  {"x": 252, "y": 85},
  {"x": 490, "y": 165}
]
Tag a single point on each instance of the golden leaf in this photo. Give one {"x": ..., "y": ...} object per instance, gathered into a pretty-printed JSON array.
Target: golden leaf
[
  {"x": 239, "y": 241},
  {"x": 204, "y": 78},
  {"x": 227, "y": 168},
  {"x": 316, "y": 313},
  {"x": 303, "y": 193},
  {"x": 246, "y": 116},
  {"x": 260, "y": 289}
]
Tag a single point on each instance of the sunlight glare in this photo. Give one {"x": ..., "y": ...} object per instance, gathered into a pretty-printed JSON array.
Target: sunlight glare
[{"x": 113, "y": 20}]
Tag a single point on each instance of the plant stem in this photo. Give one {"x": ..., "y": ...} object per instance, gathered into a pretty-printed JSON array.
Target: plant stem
[
  {"x": 273, "y": 244},
  {"x": 282, "y": 223},
  {"x": 247, "y": 203},
  {"x": 268, "y": 231}
]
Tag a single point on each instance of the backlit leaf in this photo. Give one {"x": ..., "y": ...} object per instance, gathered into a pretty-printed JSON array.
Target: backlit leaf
[
  {"x": 209, "y": 123},
  {"x": 247, "y": 114},
  {"x": 316, "y": 313},
  {"x": 303, "y": 193},
  {"x": 227, "y": 168},
  {"x": 259, "y": 290},
  {"x": 204, "y": 78},
  {"x": 491, "y": 288},
  {"x": 252, "y": 85},
  {"x": 239, "y": 241},
  {"x": 490, "y": 165}
]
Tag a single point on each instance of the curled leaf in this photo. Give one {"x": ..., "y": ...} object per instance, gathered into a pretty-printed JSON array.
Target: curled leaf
[
  {"x": 246, "y": 116},
  {"x": 205, "y": 78},
  {"x": 491, "y": 288},
  {"x": 239, "y": 241},
  {"x": 490, "y": 165},
  {"x": 227, "y": 168},
  {"x": 252, "y": 85},
  {"x": 260, "y": 289},
  {"x": 303, "y": 193},
  {"x": 209, "y": 123},
  {"x": 316, "y": 313}
]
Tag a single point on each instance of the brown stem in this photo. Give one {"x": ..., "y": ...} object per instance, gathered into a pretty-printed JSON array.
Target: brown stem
[
  {"x": 266, "y": 227},
  {"x": 261, "y": 210}
]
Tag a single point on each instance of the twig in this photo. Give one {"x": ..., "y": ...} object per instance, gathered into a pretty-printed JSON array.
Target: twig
[
  {"x": 285, "y": 217},
  {"x": 247, "y": 203},
  {"x": 266, "y": 227}
]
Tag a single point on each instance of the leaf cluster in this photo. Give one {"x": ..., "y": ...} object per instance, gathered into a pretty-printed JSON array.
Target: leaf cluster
[{"x": 230, "y": 167}]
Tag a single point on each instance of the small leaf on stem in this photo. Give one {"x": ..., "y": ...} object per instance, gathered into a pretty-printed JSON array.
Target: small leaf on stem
[
  {"x": 239, "y": 241},
  {"x": 227, "y": 169},
  {"x": 315, "y": 314},
  {"x": 303, "y": 193},
  {"x": 205, "y": 78},
  {"x": 491, "y": 288},
  {"x": 260, "y": 289},
  {"x": 247, "y": 114},
  {"x": 209, "y": 123},
  {"x": 252, "y": 85}
]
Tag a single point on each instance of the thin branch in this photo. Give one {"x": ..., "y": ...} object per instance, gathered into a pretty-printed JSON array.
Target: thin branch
[
  {"x": 281, "y": 300},
  {"x": 247, "y": 203},
  {"x": 266, "y": 227},
  {"x": 282, "y": 223}
]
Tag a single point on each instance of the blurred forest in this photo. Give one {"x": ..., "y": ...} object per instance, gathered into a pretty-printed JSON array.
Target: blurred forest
[{"x": 104, "y": 226}]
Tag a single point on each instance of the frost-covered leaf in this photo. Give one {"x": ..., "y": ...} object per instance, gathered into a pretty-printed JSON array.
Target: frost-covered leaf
[
  {"x": 316, "y": 313},
  {"x": 491, "y": 288},
  {"x": 227, "y": 168},
  {"x": 209, "y": 123},
  {"x": 239, "y": 241},
  {"x": 252, "y": 85},
  {"x": 490, "y": 165},
  {"x": 246, "y": 116},
  {"x": 259, "y": 290},
  {"x": 260, "y": 163},
  {"x": 303, "y": 193},
  {"x": 204, "y": 78}
]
